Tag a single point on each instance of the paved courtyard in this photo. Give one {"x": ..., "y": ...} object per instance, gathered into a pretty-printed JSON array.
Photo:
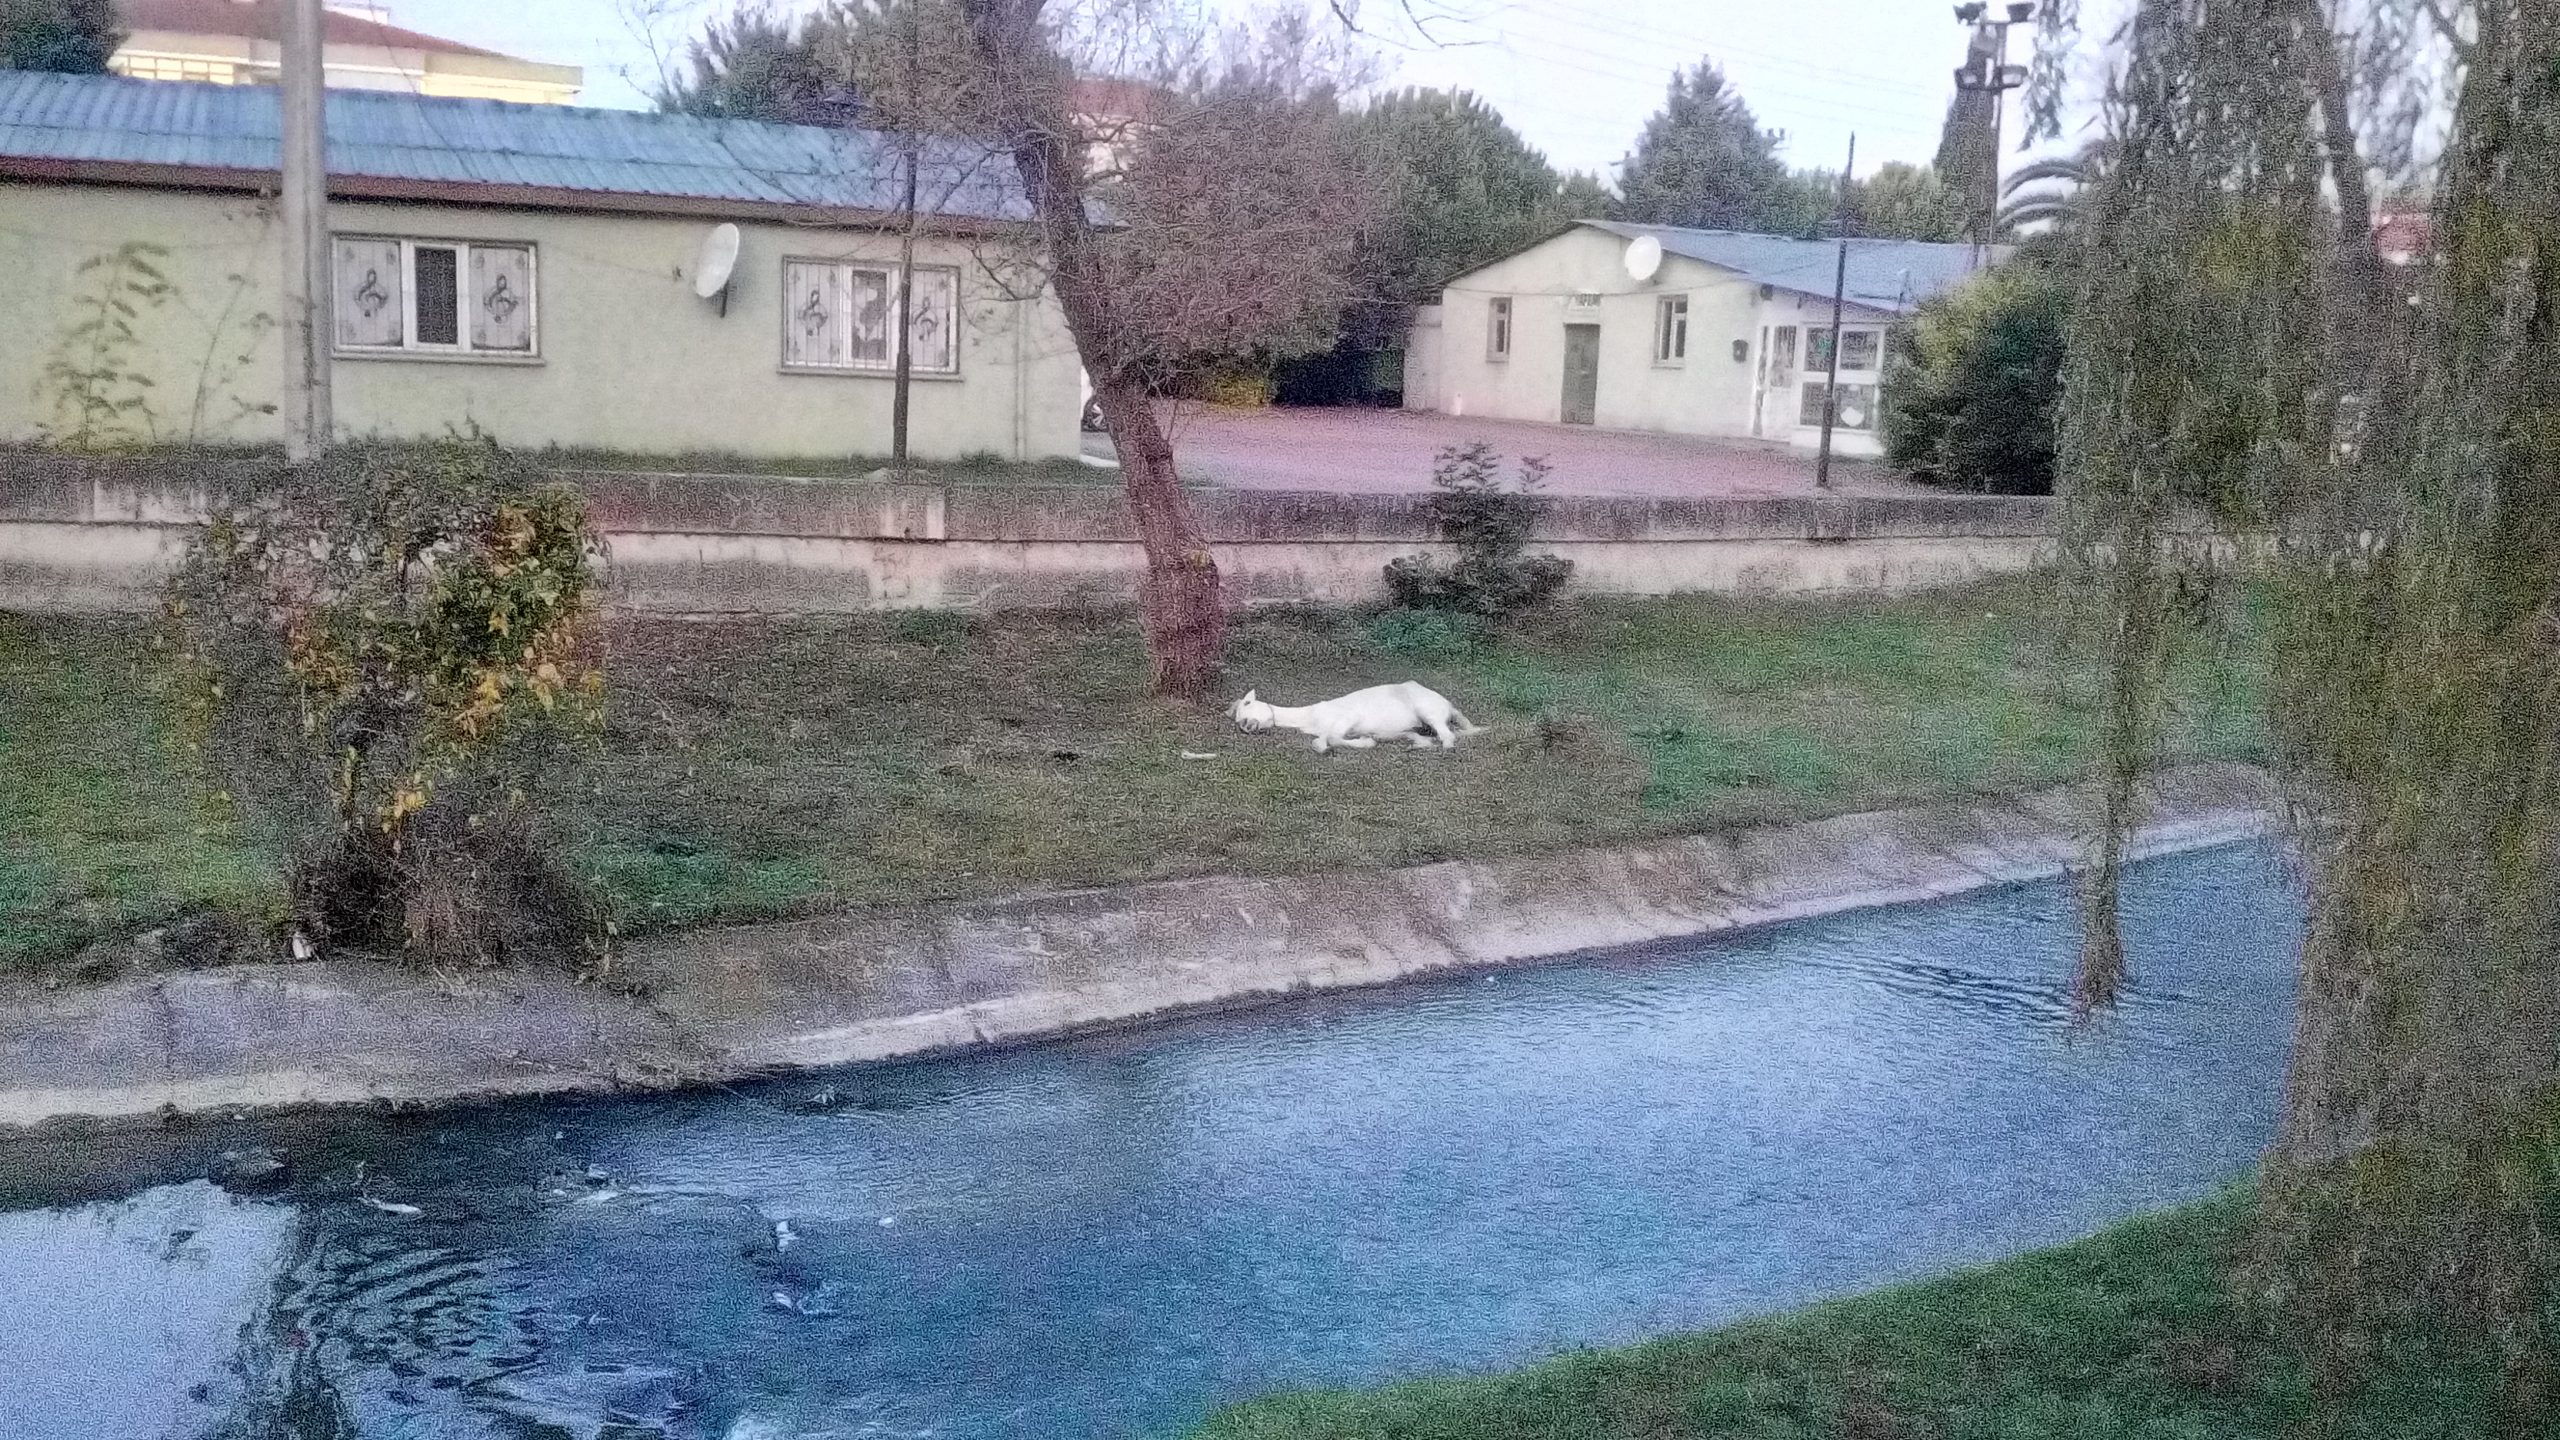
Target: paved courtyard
[{"x": 1371, "y": 451}]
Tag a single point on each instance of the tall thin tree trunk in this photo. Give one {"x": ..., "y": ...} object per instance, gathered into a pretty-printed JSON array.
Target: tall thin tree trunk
[
  {"x": 1184, "y": 610},
  {"x": 2359, "y": 249}
]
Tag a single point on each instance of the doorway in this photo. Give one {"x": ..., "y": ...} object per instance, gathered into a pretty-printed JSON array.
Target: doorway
[{"x": 1581, "y": 374}]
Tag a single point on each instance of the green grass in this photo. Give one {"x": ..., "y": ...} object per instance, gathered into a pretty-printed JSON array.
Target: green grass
[
  {"x": 2133, "y": 1332},
  {"x": 104, "y": 820},
  {"x": 758, "y": 769}
]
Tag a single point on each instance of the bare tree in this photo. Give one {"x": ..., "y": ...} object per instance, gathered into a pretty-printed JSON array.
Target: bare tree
[{"x": 1210, "y": 213}]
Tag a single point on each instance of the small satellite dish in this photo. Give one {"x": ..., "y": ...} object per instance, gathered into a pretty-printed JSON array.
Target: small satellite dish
[
  {"x": 1644, "y": 257},
  {"x": 718, "y": 261}
]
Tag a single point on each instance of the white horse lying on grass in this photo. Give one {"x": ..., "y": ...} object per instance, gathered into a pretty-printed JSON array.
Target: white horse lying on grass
[{"x": 1363, "y": 718}]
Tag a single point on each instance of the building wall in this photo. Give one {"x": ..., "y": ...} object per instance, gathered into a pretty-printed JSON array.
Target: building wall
[
  {"x": 1710, "y": 392},
  {"x": 629, "y": 358},
  {"x": 242, "y": 60}
]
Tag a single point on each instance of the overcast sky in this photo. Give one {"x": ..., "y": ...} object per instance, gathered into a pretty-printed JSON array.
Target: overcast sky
[{"x": 1577, "y": 77}]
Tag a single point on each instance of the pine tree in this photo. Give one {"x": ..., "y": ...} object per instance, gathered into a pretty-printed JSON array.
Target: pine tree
[
  {"x": 72, "y": 36},
  {"x": 1703, "y": 161}
]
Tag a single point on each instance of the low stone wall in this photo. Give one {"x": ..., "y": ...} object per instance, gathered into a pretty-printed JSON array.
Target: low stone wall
[
  {"x": 97, "y": 535},
  {"x": 887, "y": 981}
]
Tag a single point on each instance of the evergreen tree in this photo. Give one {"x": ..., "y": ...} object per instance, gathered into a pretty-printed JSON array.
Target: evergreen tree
[
  {"x": 71, "y": 36},
  {"x": 1703, "y": 161},
  {"x": 757, "y": 64},
  {"x": 1457, "y": 187},
  {"x": 1906, "y": 202}
]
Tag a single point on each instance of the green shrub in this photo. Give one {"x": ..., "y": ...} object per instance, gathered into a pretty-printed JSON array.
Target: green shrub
[
  {"x": 388, "y": 648},
  {"x": 1488, "y": 525},
  {"x": 1978, "y": 375}
]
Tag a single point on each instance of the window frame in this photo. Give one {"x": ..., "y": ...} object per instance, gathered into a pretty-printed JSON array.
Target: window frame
[
  {"x": 1823, "y": 333},
  {"x": 410, "y": 346},
  {"x": 887, "y": 365},
  {"x": 1500, "y": 316},
  {"x": 1814, "y": 386},
  {"x": 1671, "y": 331}
]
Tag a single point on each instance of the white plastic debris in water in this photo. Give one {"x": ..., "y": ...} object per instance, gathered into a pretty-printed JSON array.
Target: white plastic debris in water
[
  {"x": 784, "y": 1237},
  {"x": 300, "y": 944},
  {"x": 393, "y": 1207},
  {"x": 888, "y": 1220}
]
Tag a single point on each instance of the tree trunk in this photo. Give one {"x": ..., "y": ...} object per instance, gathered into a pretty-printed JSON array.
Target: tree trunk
[
  {"x": 1185, "y": 614},
  {"x": 1186, "y": 617},
  {"x": 2359, "y": 249}
]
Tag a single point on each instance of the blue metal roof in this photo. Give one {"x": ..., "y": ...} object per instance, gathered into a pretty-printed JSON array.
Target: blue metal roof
[
  {"x": 1893, "y": 275},
  {"x": 387, "y": 135}
]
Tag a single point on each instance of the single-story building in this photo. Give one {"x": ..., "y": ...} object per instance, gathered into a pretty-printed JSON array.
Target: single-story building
[
  {"x": 527, "y": 269},
  {"x": 1655, "y": 327}
]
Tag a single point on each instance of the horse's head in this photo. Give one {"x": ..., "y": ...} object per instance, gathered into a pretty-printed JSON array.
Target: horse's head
[{"x": 1250, "y": 713}]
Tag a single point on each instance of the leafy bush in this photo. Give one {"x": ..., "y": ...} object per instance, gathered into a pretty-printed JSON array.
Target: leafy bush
[
  {"x": 389, "y": 649},
  {"x": 1489, "y": 526},
  {"x": 1972, "y": 403}
]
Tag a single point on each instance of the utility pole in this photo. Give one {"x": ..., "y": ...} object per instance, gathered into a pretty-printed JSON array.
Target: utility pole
[
  {"x": 1986, "y": 68},
  {"x": 304, "y": 180},
  {"x": 1839, "y": 294},
  {"x": 907, "y": 252}
]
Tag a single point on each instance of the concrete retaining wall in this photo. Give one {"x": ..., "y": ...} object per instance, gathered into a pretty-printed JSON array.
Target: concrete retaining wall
[
  {"x": 88, "y": 535},
  {"x": 882, "y": 982}
]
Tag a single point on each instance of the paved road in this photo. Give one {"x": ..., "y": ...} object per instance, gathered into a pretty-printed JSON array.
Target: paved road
[{"x": 1375, "y": 451}]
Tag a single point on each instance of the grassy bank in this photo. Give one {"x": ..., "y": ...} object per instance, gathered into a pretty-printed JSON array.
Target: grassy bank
[
  {"x": 761, "y": 768},
  {"x": 2132, "y": 1333}
]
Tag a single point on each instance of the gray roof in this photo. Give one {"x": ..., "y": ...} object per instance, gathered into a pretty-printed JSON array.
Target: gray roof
[
  {"x": 1891, "y": 275},
  {"x": 107, "y": 120}
]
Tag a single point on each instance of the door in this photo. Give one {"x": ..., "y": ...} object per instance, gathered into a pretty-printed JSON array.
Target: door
[{"x": 1581, "y": 374}]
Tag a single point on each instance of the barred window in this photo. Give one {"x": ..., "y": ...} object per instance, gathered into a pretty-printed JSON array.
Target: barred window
[
  {"x": 393, "y": 295},
  {"x": 842, "y": 315}
]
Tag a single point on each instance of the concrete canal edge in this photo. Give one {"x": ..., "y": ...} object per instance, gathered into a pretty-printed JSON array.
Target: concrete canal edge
[{"x": 884, "y": 982}]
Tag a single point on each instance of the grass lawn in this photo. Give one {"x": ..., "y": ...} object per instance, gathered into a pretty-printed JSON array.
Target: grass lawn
[
  {"x": 103, "y": 815},
  {"x": 2131, "y": 1333},
  {"x": 755, "y": 769}
]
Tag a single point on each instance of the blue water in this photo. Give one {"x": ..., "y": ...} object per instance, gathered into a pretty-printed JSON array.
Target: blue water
[{"x": 1112, "y": 1236}]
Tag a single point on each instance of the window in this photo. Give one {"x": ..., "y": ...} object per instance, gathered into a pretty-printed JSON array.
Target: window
[
  {"x": 1857, "y": 406},
  {"x": 842, "y": 315},
  {"x": 432, "y": 297},
  {"x": 1671, "y": 330},
  {"x": 174, "y": 67},
  {"x": 1497, "y": 328},
  {"x": 1859, "y": 350}
]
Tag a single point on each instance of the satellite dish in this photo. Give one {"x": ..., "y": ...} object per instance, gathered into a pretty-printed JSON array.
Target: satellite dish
[
  {"x": 1644, "y": 257},
  {"x": 718, "y": 261}
]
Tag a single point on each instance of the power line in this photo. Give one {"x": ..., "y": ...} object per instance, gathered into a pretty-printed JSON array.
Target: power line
[
  {"x": 1609, "y": 65},
  {"x": 1570, "y": 14}
]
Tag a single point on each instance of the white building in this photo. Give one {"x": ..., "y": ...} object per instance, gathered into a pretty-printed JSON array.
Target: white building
[
  {"x": 236, "y": 42},
  {"x": 1724, "y": 334}
]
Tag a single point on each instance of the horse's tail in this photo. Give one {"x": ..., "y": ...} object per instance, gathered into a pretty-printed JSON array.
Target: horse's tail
[{"x": 1458, "y": 721}]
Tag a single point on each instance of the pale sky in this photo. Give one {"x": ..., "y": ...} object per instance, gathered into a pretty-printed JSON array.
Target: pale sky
[{"x": 1576, "y": 77}]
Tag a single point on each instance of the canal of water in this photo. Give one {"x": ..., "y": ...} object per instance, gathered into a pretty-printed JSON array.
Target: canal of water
[{"x": 1110, "y": 1236}]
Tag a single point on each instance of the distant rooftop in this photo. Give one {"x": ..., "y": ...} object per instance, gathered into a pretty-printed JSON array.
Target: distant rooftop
[
  {"x": 386, "y": 144},
  {"x": 260, "y": 19},
  {"x": 236, "y": 42},
  {"x": 1893, "y": 275}
]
